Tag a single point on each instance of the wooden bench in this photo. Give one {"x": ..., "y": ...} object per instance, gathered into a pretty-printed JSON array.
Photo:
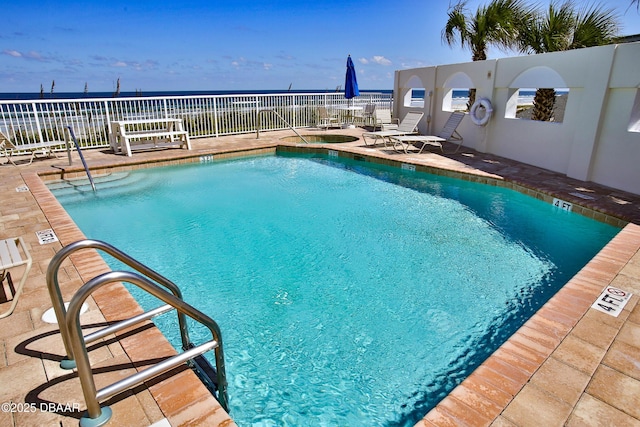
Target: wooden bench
[{"x": 128, "y": 135}]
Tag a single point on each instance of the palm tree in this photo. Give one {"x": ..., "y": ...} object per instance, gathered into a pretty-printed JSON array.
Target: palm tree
[
  {"x": 564, "y": 28},
  {"x": 494, "y": 24}
]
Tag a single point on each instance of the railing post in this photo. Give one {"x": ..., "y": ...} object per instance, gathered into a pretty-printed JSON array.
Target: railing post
[
  {"x": 97, "y": 416},
  {"x": 37, "y": 120},
  {"x": 164, "y": 106},
  {"x": 107, "y": 117},
  {"x": 215, "y": 115}
]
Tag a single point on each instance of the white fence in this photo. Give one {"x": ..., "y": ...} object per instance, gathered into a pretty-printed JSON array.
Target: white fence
[{"x": 44, "y": 120}]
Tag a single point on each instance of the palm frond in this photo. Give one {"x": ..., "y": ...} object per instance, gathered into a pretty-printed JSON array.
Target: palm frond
[
  {"x": 456, "y": 26},
  {"x": 594, "y": 26},
  {"x": 498, "y": 24}
]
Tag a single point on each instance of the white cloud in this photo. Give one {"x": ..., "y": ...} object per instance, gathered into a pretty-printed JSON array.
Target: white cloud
[
  {"x": 12, "y": 52},
  {"x": 381, "y": 60},
  {"x": 248, "y": 64},
  {"x": 28, "y": 55},
  {"x": 237, "y": 63},
  {"x": 34, "y": 55},
  {"x": 134, "y": 65},
  {"x": 376, "y": 59}
]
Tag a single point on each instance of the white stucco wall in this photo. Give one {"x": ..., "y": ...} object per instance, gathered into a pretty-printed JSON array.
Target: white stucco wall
[
  {"x": 592, "y": 143},
  {"x": 617, "y": 152}
]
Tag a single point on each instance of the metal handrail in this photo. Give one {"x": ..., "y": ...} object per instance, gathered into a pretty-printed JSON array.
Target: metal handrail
[
  {"x": 75, "y": 141},
  {"x": 56, "y": 295},
  {"x": 91, "y": 395},
  {"x": 266, "y": 110},
  {"x": 160, "y": 287}
]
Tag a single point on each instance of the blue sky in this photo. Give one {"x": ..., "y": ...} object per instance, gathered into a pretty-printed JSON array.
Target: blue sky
[{"x": 226, "y": 45}]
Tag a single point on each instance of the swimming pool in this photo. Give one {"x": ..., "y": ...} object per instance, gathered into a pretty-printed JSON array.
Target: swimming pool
[{"x": 330, "y": 285}]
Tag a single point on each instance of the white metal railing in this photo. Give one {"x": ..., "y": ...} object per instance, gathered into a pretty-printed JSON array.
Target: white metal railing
[{"x": 44, "y": 120}]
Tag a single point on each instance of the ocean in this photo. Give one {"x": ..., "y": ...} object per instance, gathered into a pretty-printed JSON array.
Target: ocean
[
  {"x": 9, "y": 96},
  {"x": 416, "y": 93}
]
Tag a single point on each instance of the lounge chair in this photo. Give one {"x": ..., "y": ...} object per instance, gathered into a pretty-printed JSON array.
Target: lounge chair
[
  {"x": 382, "y": 119},
  {"x": 407, "y": 126},
  {"x": 9, "y": 148},
  {"x": 326, "y": 120},
  {"x": 10, "y": 257},
  {"x": 447, "y": 134}
]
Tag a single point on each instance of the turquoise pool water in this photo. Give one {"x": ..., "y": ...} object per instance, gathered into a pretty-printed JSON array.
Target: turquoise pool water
[{"x": 348, "y": 293}]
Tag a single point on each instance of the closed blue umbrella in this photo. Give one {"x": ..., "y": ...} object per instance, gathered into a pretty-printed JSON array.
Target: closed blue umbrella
[{"x": 351, "y": 83}]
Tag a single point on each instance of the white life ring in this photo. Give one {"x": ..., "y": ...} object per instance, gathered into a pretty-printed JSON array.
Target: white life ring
[{"x": 488, "y": 110}]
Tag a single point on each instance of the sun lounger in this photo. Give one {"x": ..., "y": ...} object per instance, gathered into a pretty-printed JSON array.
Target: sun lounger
[
  {"x": 407, "y": 126},
  {"x": 447, "y": 134},
  {"x": 9, "y": 148},
  {"x": 10, "y": 257}
]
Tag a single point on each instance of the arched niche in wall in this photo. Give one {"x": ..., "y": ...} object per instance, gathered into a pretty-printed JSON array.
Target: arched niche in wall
[
  {"x": 413, "y": 92},
  {"x": 456, "y": 92},
  {"x": 523, "y": 88}
]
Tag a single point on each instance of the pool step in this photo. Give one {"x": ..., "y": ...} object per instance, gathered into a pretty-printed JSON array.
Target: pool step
[
  {"x": 80, "y": 183},
  {"x": 72, "y": 190}
]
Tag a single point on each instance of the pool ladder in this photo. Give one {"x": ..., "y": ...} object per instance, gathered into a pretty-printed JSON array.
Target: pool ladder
[
  {"x": 268, "y": 110},
  {"x": 152, "y": 282},
  {"x": 84, "y": 164}
]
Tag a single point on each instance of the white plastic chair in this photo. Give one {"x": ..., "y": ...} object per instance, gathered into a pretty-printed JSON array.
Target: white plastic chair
[
  {"x": 326, "y": 120},
  {"x": 383, "y": 120},
  {"x": 10, "y": 257}
]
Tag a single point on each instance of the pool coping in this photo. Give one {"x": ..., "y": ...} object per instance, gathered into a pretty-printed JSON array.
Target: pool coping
[{"x": 522, "y": 349}]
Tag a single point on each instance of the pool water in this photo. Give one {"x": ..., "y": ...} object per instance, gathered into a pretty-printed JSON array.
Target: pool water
[{"x": 348, "y": 293}]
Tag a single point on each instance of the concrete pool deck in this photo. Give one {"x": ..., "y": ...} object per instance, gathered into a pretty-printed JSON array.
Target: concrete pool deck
[{"x": 568, "y": 365}]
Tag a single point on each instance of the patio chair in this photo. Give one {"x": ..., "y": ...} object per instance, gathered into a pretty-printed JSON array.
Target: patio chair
[
  {"x": 383, "y": 120},
  {"x": 10, "y": 257},
  {"x": 326, "y": 120},
  {"x": 9, "y": 148},
  {"x": 366, "y": 115},
  {"x": 447, "y": 134},
  {"x": 407, "y": 126}
]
